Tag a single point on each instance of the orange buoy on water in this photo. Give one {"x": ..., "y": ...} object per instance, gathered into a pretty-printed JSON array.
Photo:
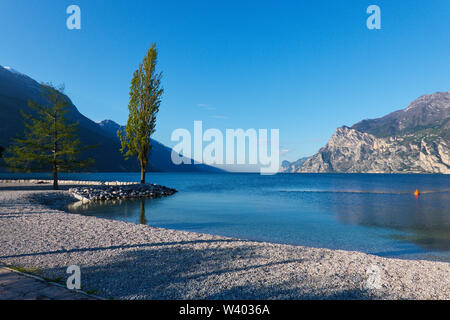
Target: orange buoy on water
[{"x": 416, "y": 193}]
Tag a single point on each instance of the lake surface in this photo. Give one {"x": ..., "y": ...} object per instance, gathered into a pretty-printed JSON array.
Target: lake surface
[{"x": 376, "y": 214}]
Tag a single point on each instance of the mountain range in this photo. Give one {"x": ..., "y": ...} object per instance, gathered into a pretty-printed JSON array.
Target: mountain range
[
  {"x": 413, "y": 140},
  {"x": 16, "y": 89}
]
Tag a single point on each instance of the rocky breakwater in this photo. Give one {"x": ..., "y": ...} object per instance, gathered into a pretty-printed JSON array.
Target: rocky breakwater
[{"x": 119, "y": 192}]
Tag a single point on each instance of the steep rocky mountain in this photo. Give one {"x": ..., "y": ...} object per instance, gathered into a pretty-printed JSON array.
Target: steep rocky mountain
[
  {"x": 413, "y": 140},
  {"x": 17, "y": 89}
]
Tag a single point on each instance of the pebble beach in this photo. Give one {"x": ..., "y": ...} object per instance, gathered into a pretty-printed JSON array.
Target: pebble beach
[{"x": 122, "y": 260}]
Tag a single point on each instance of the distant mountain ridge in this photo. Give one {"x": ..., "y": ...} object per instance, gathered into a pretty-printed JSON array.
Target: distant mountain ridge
[
  {"x": 425, "y": 112},
  {"x": 412, "y": 140},
  {"x": 287, "y": 166},
  {"x": 163, "y": 154},
  {"x": 110, "y": 127},
  {"x": 16, "y": 89}
]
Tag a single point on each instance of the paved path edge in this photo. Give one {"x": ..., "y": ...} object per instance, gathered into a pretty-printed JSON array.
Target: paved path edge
[{"x": 33, "y": 276}]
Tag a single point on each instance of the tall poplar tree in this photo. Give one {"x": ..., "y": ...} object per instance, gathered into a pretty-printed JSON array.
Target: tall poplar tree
[
  {"x": 50, "y": 142},
  {"x": 145, "y": 98}
]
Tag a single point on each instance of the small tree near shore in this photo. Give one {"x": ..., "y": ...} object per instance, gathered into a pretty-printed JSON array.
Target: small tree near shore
[
  {"x": 145, "y": 98},
  {"x": 50, "y": 142}
]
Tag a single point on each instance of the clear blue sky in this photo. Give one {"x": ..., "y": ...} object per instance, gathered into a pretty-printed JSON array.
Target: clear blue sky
[{"x": 305, "y": 67}]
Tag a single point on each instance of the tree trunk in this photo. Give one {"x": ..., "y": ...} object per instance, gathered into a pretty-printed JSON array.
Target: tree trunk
[
  {"x": 55, "y": 177},
  {"x": 142, "y": 219},
  {"x": 142, "y": 173},
  {"x": 55, "y": 150}
]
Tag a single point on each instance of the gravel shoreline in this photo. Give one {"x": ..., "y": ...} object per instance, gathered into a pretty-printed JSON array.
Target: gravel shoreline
[{"x": 128, "y": 261}]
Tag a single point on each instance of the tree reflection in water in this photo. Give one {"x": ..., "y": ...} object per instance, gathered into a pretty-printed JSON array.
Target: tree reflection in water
[{"x": 142, "y": 219}]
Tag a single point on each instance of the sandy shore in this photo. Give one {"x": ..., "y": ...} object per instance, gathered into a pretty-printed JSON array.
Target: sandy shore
[{"x": 128, "y": 261}]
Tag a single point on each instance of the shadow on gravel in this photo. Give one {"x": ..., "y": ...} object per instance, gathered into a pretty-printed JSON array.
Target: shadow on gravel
[
  {"x": 6, "y": 216},
  {"x": 178, "y": 270},
  {"x": 36, "y": 187},
  {"x": 291, "y": 291},
  {"x": 121, "y": 247}
]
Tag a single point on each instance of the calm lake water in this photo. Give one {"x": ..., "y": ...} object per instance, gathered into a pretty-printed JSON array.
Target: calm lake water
[{"x": 376, "y": 214}]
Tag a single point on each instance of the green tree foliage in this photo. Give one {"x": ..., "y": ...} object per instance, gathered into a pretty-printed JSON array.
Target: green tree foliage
[
  {"x": 50, "y": 142},
  {"x": 145, "y": 98}
]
